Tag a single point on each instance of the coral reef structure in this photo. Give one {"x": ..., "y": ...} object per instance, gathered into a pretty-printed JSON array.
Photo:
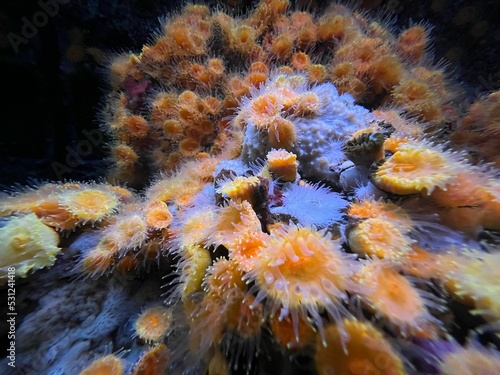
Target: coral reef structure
[{"x": 279, "y": 182}]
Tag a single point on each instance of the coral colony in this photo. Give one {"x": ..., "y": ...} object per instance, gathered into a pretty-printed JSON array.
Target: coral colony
[{"x": 281, "y": 196}]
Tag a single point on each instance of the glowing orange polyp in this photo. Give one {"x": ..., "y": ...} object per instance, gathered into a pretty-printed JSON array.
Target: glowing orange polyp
[
  {"x": 89, "y": 204},
  {"x": 246, "y": 247},
  {"x": 153, "y": 324},
  {"x": 302, "y": 269},
  {"x": 153, "y": 362},
  {"x": 108, "y": 365},
  {"x": 391, "y": 295},
  {"x": 366, "y": 351}
]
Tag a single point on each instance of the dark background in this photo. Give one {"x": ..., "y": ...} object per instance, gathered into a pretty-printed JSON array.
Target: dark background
[{"x": 54, "y": 84}]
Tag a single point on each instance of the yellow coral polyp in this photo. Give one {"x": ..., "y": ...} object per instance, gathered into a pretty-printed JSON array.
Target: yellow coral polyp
[
  {"x": 194, "y": 230},
  {"x": 153, "y": 324},
  {"x": 380, "y": 238},
  {"x": 474, "y": 279},
  {"x": 158, "y": 215},
  {"x": 366, "y": 351},
  {"x": 239, "y": 189},
  {"x": 107, "y": 365},
  {"x": 89, "y": 204},
  {"x": 415, "y": 169},
  {"x": 128, "y": 232},
  {"x": 193, "y": 268},
  {"x": 27, "y": 244},
  {"x": 223, "y": 276}
]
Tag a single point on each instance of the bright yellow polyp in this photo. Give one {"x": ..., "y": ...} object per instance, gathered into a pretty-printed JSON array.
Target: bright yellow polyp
[
  {"x": 377, "y": 237},
  {"x": 239, "y": 189},
  {"x": 89, "y": 204},
  {"x": 26, "y": 244},
  {"x": 415, "y": 169},
  {"x": 476, "y": 279}
]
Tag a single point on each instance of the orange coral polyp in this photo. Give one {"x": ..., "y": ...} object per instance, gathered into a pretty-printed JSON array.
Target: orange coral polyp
[
  {"x": 189, "y": 147},
  {"x": 259, "y": 67},
  {"x": 153, "y": 361},
  {"x": 300, "y": 61},
  {"x": 366, "y": 351},
  {"x": 107, "y": 365},
  {"x": 380, "y": 238},
  {"x": 284, "y": 332},
  {"x": 416, "y": 169},
  {"x": 224, "y": 276},
  {"x": 153, "y": 324},
  {"x": 100, "y": 259},
  {"x": 282, "y": 133},
  {"x": 418, "y": 97},
  {"x": 136, "y": 126},
  {"x": 264, "y": 108},
  {"x": 158, "y": 215},
  {"x": 246, "y": 246},
  {"x": 302, "y": 270},
  {"x": 411, "y": 43},
  {"x": 89, "y": 204},
  {"x": 316, "y": 73},
  {"x": 372, "y": 209},
  {"x": 128, "y": 232},
  {"x": 392, "y": 296},
  {"x": 332, "y": 27},
  {"x": 236, "y": 215},
  {"x": 282, "y": 46},
  {"x": 282, "y": 164},
  {"x": 467, "y": 189}
]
